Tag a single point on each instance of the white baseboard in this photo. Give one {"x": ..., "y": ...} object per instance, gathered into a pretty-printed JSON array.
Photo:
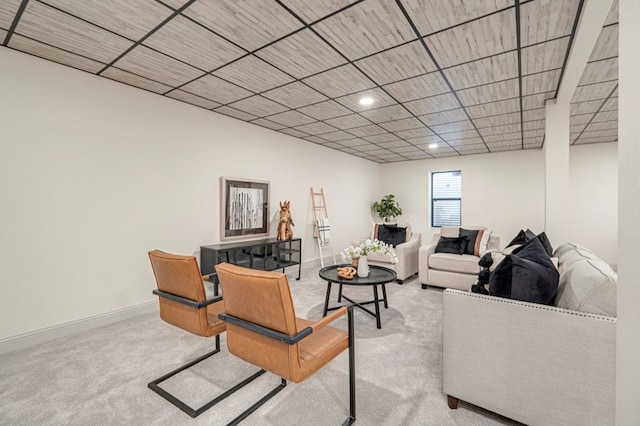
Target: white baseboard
[{"x": 24, "y": 340}]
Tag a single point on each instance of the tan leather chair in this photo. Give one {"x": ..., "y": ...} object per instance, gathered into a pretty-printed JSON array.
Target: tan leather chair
[
  {"x": 183, "y": 303},
  {"x": 262, "y": 329}
]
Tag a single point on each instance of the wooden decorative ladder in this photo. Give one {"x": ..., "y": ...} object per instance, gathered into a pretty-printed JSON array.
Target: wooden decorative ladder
[{"x": 322, "y": 232}]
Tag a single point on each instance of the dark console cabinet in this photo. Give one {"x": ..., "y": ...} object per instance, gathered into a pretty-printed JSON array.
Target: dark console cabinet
[{"x": 266, "y": 254}]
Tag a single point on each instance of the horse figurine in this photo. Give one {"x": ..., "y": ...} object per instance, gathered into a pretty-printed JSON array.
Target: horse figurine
[{"x": 286, "y": 222}]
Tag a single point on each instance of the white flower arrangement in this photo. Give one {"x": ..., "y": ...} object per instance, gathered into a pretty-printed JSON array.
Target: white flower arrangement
[{"x": 370, "y": 246}]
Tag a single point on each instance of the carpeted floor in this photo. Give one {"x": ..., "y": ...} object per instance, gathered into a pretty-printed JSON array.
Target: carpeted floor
[{"x": 100, "y": 377}]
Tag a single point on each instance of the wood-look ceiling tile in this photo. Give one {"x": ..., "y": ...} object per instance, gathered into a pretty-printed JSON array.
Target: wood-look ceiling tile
[
  {"x": 340, "y": 135},
  {"x": 533, "y": 133},
  {"x": 353, "y": 142},
  {"x": 586, "y": 141},
  {"x": 494, "y": 108},
  {"x": 498, "y": 130},
  {"x": 8, "y": 9},
  {"x": 263, "y": 122},
  {"x": 435, "y": 15},
  {"x": 606, "y": 45},
  {"x": 312, "y": 11},
  {"x": 576, "y": 128},
  {"x": 504, "y": 137},
  {"x": 600, "y": 71},
  {"x": 460, "y": 44},
  {"x": 315, "y": 139},
  {"x": 483, "y": 71},
  {"x": 389, "y": 113},
  {"x": 461, "y": 135},
  {"x": 424, "y": 141},
  {"x": 294, "y": 95},
  {"x": 193, "y": 44},
  {"x": 539, "y": 83},
  {"x": 612, "y": 17},
  {"x": 474, "y": 149},
  {"x": 192, "y": 99},
  {"x": 416, "y": 133},
  {"x": 489, "y": 92},
  {"x": 216, "y": 89},
  {"x": 53, "y": 54},
  {"x": 432, "y": 104},
  {"x": 533, "y": 114},
  {"x": 294, "y": 132},
  {"x": 606, "y": 116},
  {"x": 380, "y": 99},
  {"x": 235, "y": 113},
  {"x": 514, "y": 144},
  {"x": 404, "y": 124},
  {"x": 3, "y": 35},
  {"x": 417, "y": 155},
  {"x": 348, "y": 121},
  {"x": 135, "y": 80},
  {"x": 534, "y": 125},
  {"x": 408, "y": 60},
  {"x": 593, "y": 91},
  {"x": 301, "y": 54},
  {"x": 132, "y": 19},
  {"x": 381, "y": 138},
  {"x": 316, "y": 128},
  {"x": 443, "y": 117},
  {"x": 397, "y": 144},
  {"x": 249, "y": 23},
  {"x": 175, "y": 4},
  {"x": 366, "y": 28},
  {"x": 536, "y": 101},
  {"x": 544, "y": 56},
  {"x": 48, "y": 25},
  {"x": 607, "y": 133},
  {"x": 340, "y": 81},
  {"x": 418, "y": 87},
  {"x": 611, "y": 104},
  {"x": 253, "y": 74},
  {"x": 291, "y": 118},
  {"x": 156, "y": 66},
  {"x": 578, "y": 108},
  {"x": 581, "y": 118},
  {"x": 258, "y": 106},
  {"x": 453, "y": 127},
  {"x": 406, "y": 150},
  {"x": 497, "y": 120},
  {"x": 544, "y": 20},
  {"x": 325, "y": 110},
  {"x": 369, "y": 130},
  {"x": 533, "y": 142}
]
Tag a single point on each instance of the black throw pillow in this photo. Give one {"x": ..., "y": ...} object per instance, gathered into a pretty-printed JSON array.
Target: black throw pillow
[
  {"x": 471, "y": 237},
  {"x": 527, "y": 274},
  {"x": 451, "y": 245},
  {"x": 545, "y": 243},
  {"x": 522, "y": 238},
  {"x": 392, "y": 234}
]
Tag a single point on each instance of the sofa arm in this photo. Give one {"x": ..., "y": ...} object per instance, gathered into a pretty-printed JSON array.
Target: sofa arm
[
  {"x": 411, "y": 246},
  {"x": 533, "y": 363}
]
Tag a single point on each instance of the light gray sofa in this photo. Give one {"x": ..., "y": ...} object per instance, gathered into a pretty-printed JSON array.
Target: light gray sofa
[
  {"x": 537, "y": 364},
  {"x": 448, "y": 270}
]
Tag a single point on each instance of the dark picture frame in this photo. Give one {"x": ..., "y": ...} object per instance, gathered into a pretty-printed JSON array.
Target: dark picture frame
[{"x": 245, "y": 207}]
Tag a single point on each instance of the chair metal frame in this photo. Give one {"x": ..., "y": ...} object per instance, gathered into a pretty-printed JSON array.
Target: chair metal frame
[
  {"x": 154, "y": 385},
  {"x": 291, "y": 340}
]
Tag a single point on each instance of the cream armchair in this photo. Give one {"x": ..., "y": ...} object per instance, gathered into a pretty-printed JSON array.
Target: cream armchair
[{"x": 407, "y": 253}]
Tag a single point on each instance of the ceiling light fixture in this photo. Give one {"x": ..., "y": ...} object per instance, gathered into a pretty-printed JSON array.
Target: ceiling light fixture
[
  {"x": 433, "y": 145},
  {"x": 366, "y": 101}
]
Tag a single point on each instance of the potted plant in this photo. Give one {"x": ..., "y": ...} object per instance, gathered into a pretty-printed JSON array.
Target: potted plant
[{"x": 387, "y": 208}]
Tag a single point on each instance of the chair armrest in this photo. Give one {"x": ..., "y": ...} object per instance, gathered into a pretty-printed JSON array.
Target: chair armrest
[
  {"x": 185, "y": 301},
  {"x": 206, "y": 277},
  {"x": 329, "y": 318},
  {"x": 413, "y": 245}
]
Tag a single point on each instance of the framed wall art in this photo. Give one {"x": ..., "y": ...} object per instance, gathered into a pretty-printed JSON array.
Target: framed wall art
[{"x": 245, "y": 208}]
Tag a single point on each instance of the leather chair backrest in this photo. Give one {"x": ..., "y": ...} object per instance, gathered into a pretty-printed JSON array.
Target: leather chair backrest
[
  {"x": 180, "y": 276},
  {"x": 262, "y": 298}
]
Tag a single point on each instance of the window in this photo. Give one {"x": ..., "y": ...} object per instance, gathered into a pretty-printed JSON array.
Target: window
[{"x": 446, "y": 198}]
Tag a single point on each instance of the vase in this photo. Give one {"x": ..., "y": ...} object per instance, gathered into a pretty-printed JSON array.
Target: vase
[{"x": 363, "y": 267}]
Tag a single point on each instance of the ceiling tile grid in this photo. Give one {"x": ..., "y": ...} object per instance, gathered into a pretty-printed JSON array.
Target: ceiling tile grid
[{"x": 466, "y": 75}]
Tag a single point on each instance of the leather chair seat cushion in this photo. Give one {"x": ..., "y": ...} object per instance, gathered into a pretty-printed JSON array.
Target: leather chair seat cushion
[
  {"x": 462, "y": 263},
  {"x": 319, "y": 348}
]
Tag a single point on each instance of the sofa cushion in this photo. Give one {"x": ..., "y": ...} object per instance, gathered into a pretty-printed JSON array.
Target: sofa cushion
[
  {"x": 527, "y": 274},
  {"x": 465, "y": 264},
  {"x": 451, "y": 245},
  {"x": 588, "y": 285},
  {"x": 542, "y": 237},
  {"x": 391, "y": 234},
  {"x": 522, "y": 237}
]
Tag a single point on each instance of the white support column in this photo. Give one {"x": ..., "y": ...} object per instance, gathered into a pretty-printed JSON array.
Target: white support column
[
  {"x": 628, "y": 327},
  {"x": 556, "y": 151}
]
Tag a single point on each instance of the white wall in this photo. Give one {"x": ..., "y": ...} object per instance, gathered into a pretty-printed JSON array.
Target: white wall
[{"x": 93, "y": 174}]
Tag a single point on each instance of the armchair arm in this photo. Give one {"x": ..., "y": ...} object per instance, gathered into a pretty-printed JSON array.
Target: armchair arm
[
  {"x": 329, "y": 318},
  {"x": 413, "y": 245},
  {"x": 186, "y": 301}
]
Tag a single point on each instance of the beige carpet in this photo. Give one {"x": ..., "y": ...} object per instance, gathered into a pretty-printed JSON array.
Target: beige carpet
[{"x": 100, "y": 377}]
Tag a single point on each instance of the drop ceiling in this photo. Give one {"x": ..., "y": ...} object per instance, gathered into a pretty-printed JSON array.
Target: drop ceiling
[{"x": 470, "y": 76}]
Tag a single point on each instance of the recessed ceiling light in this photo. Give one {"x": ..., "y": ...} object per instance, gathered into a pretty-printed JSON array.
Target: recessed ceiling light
[
  {"x": 366, "y": 101},
  {"x": 433, "y": 145}
]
